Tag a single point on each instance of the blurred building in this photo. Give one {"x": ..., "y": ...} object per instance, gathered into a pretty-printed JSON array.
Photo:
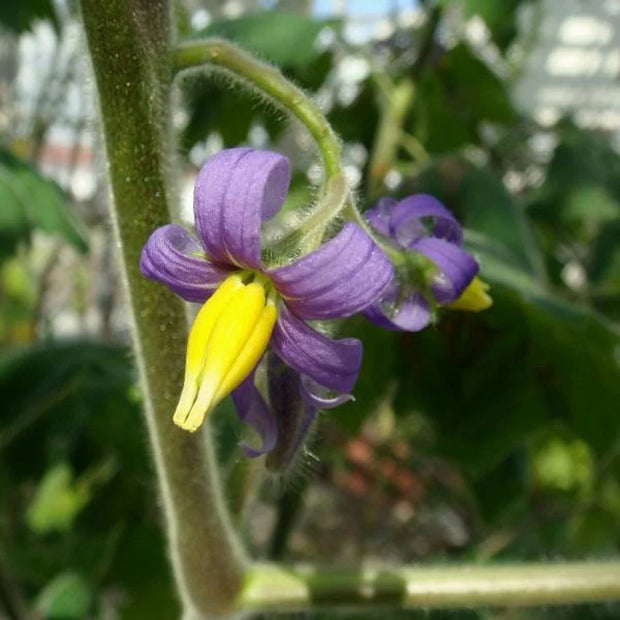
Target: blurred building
[{"x": 572, "y": 63}]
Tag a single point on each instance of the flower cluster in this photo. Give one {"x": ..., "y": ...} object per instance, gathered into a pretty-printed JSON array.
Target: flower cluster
[
  {"x": 249, "y": 307},
  {"x": 435, "y": 269}
]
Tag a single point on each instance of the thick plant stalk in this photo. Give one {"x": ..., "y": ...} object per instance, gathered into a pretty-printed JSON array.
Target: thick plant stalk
[
  {"x": 272, "y": 588},
  {"x": 128, "y": 42}
]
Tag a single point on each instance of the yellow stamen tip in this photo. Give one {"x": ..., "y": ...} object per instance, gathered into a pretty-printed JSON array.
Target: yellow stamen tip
[
  {"x": 228, "y": 338},
  {"x": 474, "y": 298}
]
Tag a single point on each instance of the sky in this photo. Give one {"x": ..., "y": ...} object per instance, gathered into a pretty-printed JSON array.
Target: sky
[{"x": 360, "y": 8}]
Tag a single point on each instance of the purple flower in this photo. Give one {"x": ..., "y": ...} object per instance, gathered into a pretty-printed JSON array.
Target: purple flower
[
  {"x": 249, "y": 306},
  {"x": 436, "y": 270}
]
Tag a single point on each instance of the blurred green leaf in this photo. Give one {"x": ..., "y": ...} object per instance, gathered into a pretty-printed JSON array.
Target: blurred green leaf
[
  {"x": 488, "y": 208},
  {"x": 287, "y": 39},
  {"x": 500, "y": 18},
  {"x": 31, "y": 202},
  {"x": 57, "y": 501},
  {"x": 604, "y": 263},
  {"x": 66, "y": 597},
  {"x": 356, "y": 121},
  {"x": 76, "y": 403},
  {"x": 582, "y": 185},
  {"x": 52, "y": 391},
  {"x": 563, "y": 465},
  {"x": 20, "y": 16},
  {"x": 594, "y": 530},
  {"x": 454, "y": 98},
  {"x": 59, "y": 497}
]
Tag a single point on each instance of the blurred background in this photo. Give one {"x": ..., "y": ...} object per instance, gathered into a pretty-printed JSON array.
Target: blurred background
[{"x": 486, "y": 437}]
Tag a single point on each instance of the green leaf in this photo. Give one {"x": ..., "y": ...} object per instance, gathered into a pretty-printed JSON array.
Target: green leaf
[
  {"x": 287, "y": 39},
  {"x": 500, "y": 17},
  {"x": 572, "y": 351},
  {"x": 66, "y": 597},
  {"x": 454, "y": 98},
  {"x": 31, "y": 202},
  {"x": 20, "y": 16},
  {"x": 57, "y": 501},
  {"x": 54, "y": 389},
  {"x": 488, "y": 208},
  {"x": 582, "y": 185},
  {"x": 59, "y": 498}
]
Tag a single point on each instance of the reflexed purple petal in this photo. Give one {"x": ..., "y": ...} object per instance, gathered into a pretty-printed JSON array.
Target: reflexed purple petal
[
  {"x": 406, "y": 225},
  {"x": 410, "y": 314},
  {"x": 379, "y": 216},
  {"x": 339, "y": 279},
  {"x": 173, "y": 257},
  {"x": 253, "y": 410},
  {"x": 332, "y": 363},
  {"x": 317, "y": 396},
  {"x": 457, "y": 268},
  {"x": 235, "y": 190},
  {"x": 294, "y": 414}
]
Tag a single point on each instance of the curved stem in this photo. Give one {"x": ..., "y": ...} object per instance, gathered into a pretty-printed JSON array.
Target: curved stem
[
  {"x": 307, "y": 232},
  {"x": 278, "y": 588},
  {"x": 272, "y": 83},
  {"x": 128, "y": 43}
]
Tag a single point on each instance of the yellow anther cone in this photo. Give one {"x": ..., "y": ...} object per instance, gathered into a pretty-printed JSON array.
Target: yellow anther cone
[
  {"x": 227, "y": 340},
  {"x": 250, "y": 354},
  {"x": 474, "y": 298},
  {"x": 198, "y": 337}
]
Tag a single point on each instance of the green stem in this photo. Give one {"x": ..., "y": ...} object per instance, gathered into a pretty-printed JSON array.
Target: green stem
[
  {"x": 272, "y": 588},
  {"x": 396, "y": 106},
  {"x": 397, "y": 100},
  {"x": 306, "y": 232},
  {"x": 128, "y": 42},
  {"x": 272, "y": 83}
]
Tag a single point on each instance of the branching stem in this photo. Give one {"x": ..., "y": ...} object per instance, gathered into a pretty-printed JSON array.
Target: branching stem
[{"x": 278, "y": 588}]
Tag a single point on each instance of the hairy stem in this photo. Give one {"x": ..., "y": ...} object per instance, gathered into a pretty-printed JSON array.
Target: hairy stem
[
  {"x": 276, "y": 588},
  {"x": 128, "y": 42},
  {"x": 306, "y": 232},
  {"x": 272, "y": 83}
]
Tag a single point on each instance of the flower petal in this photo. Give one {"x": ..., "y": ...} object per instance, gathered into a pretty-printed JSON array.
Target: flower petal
[
  {"x": 334, "y": 364},
  {"x": 173, "y": 257},
  {"x": 342, "y": 277},
  {"x": 253, "y": 410},
  {"x": 235, "y": 190},
  {"x": 315, "y": 395},
  {"x": 407, "y": 226},
  {"x": 457, "y": 268},
  {"x": 411, "y": 315},
  {"x": 379, "y": 216}
]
